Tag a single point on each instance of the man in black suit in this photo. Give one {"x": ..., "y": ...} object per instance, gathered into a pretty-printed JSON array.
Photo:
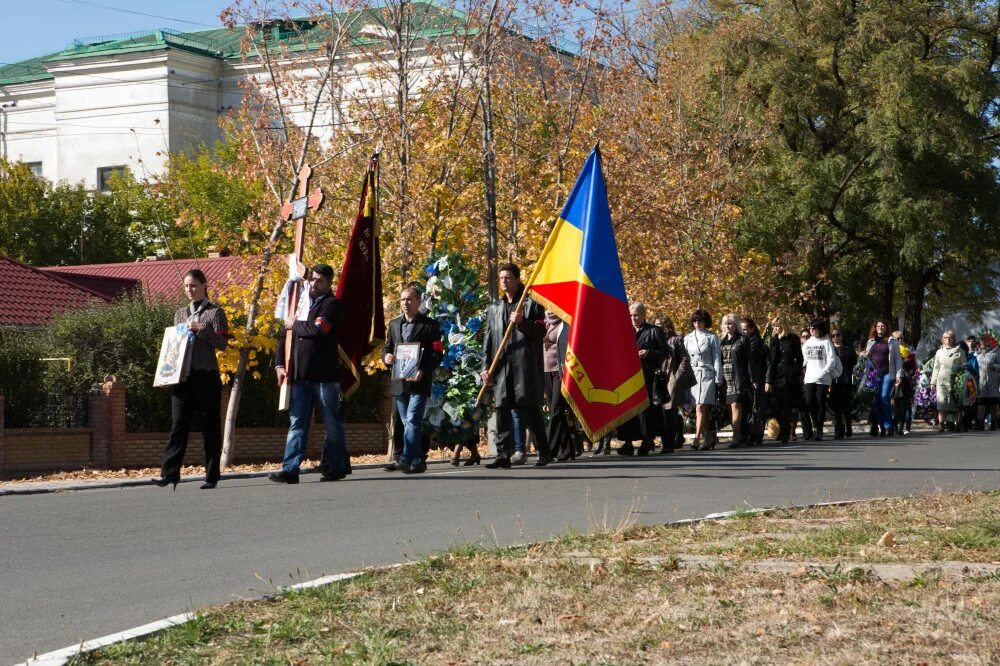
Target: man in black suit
[
  {"x": 519, "y": 377},
  {"x": 315, "y": 380},
  {"x": 411, "y": 392}
]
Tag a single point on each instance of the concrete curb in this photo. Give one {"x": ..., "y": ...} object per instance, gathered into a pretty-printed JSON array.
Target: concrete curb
[
  {"x": 60, "y": 657},
  {"x": 51, "y": 487}
]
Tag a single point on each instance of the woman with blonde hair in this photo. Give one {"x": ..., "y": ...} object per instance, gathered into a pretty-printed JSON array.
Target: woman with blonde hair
[
  {"x": 949, "y": 362},
  {"x": 783, "y": 380}
]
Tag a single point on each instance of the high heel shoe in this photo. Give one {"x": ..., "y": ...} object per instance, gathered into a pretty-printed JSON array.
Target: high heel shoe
[
  {"x": 164, "y": 481},
  {"x": 209, "y": 485},
  {"x": 710, "y": 442},
  {"x": 474, "y": 460}
]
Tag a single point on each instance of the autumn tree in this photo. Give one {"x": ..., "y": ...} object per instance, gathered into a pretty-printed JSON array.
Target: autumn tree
[{"x": 878, "y": 167}]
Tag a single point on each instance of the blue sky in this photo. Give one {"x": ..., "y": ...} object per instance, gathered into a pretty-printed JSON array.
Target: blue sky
[{"x": 33, "y": 27}]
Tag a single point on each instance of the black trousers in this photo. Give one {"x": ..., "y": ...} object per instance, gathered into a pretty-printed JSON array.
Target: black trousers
[
  {"x": 202, "y": 392},
  {"x": 815, "y": 397},
  {"x": 841, "y": 396},
  {"x": 531, "y": 418},
  {"x": 781, "y": 409},
  {"x": 560, "y": 436}
]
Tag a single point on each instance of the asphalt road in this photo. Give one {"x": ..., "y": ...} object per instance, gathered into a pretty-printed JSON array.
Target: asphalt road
[{"x": 78, "y": 565}]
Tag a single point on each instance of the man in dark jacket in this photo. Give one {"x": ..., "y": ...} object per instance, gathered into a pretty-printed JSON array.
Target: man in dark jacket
[
  {"x": 518, "y": 380},
  {"x": 410, "y": 393},
  {"x": 652, "y": 346},
  {"x": 315, "y": 375}
]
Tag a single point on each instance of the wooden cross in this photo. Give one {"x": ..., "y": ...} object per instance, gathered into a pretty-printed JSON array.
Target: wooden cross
[{"x": 296, "y": 210}]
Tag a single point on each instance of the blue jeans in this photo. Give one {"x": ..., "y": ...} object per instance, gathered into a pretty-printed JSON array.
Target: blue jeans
[
  {"x": 520, "y": 431},
  {"x": 304, "y": 396},
  {"x": 410, "y": 407},
  {"x": 882, "y": 404}
]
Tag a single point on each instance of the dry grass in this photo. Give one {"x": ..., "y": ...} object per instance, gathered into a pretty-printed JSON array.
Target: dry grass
[{"x": 630, "y": 595}]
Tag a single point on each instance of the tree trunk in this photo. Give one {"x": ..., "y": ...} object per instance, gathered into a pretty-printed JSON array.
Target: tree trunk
[
  {"x": 490, "y": 183},
  {"x": 885, "y": 292},
  {"x": 914, "y": 293}
]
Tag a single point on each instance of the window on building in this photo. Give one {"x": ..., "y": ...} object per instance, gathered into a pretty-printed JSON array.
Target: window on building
[
  {"x": 104, "y": 176},
  {"x": 36, "y": 168}
]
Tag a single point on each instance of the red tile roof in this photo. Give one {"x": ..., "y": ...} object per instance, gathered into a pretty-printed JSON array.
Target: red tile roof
[
  {"x": 29, "y": 297},
  {"x": 105, "y": 285},
  {"x": 165, "y": 277}
]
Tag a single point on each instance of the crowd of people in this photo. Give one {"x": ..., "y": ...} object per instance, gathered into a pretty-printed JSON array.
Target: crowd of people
[{"x": 761, "y": 384}]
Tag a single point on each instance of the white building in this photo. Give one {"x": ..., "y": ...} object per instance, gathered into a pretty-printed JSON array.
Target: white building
[{"x": 128, "y": 101}]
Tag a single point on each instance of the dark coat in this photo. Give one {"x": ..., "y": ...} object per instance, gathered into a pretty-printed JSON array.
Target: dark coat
[
  {"x": 519, "y": 378},
  {"x": 740, "y": 358},
  {"x": 675, "y": 365},
  {"x": 848, "y": 359},
  {"x": 426, "y": 331},
  {"x": 651, "y": 339},
  {"x": 757, "y": 356},
  {"x": 314, "y": 346},
  {"x": 784, "y": 366}
]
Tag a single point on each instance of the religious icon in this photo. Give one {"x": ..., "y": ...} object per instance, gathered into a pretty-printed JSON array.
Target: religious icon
[
  {"x": 175, "y": 356},
  {"x": 407, "y": 360}
]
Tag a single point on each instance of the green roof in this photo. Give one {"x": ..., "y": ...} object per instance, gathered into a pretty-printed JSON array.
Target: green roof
[
  {"x": 430, "y": 19},
  {"x": 25, "y": 71}
]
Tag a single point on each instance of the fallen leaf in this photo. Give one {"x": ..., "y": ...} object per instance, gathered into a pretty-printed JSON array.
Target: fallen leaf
[{"x": 888, "y": 539}]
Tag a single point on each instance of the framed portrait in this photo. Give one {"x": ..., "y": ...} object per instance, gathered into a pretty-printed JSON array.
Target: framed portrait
[
  {"x": 175, "y": 356},
  {"x": 407, "y": 360}
]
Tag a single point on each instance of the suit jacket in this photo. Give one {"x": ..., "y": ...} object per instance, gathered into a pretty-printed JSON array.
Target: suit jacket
[
  {"x": 314, "y": 350},
  {"x": 520, "y": 375},
  {"x": 426, "y": 331}
]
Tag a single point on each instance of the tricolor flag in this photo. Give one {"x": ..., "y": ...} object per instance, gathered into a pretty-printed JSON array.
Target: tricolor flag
[
  {"x": 360, "y": 287},
  {"x": 579, "y": 277}
]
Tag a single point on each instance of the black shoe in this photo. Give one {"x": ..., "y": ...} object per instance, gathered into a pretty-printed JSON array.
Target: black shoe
[
  {"x": 164, "y": 481},
  {"x": 209, "y": 485},
  {"x": 541, "y": 462},
  {"x": 414, "y": 469},
  {"x": 475, "y": 460},
  {"x": 283, "y": 477},
  {"x": 873, "y": 431},
  {"x": 566, "y": 456},
  {"x": 626, "y": 449},
  {"x": 391, "y": 467},
  {"x": 818, "y": 437},
  {"x": 500, "y": 462},
  {"x": 333, "y": 476},
  {"x": 735, "y": 445}
]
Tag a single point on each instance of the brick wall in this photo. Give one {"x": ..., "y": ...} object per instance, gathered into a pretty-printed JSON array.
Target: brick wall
[
  {"x": 40, "y": 449},
  {"x": 106, "y": 443}
]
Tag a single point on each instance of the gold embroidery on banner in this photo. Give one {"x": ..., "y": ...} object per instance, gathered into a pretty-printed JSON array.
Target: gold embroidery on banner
[{"x": 593, "y": 394}]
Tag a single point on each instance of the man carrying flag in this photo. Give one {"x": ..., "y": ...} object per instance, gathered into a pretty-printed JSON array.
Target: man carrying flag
[
  {"x": 579, "y": 277},
  {"x": 516, "y": 372}
]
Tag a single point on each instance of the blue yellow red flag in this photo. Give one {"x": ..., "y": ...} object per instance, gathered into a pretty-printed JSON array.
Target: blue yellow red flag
[{"x": 579, "y": 277}]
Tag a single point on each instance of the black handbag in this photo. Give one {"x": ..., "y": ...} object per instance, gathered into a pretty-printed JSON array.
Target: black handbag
[{"x": 661, "y": 395}]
